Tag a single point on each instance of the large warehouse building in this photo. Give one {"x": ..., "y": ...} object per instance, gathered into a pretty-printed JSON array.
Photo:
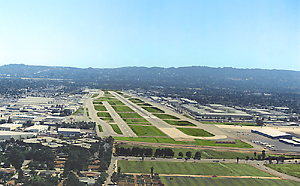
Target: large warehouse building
[{"x": 272, "y": 133}]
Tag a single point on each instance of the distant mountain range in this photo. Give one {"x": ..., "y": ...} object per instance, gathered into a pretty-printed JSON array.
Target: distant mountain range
[{"x": 194, "y": 76}]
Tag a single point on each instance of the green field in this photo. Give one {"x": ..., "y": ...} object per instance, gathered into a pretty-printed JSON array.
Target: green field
[
  {"x": 196, "y": 181},
  {"x": 97, "y": 102},
  {"x": 146, "y": 130},
  {"x": 197, "y": 142},
  {"x": 205, "y": 154},
  {"x": 153, "y": 109},
  {"x": 106, "y": 99},
  {"x": 188, "y": 116},
  {"x": 179, "y": 123},
  {"x": 100, "y": 108},
  {"x": 107, "y": 94},
  {"x": 144, "y": 104},
  {"x": 135, "y": 100},
  {"x": 229, "y": 123},
  {"x": 219, "y": 169},
  {"x": 135, "y": 120},
  {"x": 145, "y": 123},
  {"x": 290, "y": 169},
  {"x": 116, "y": 128},
  {"x": 95, "y": 95},
  {"x": 107, "y": 119},
  {"x": 100, "y": 128},
  {"x": 195, "y": 132},
  {"x": 122, "y": 109},
  {"x": 115, "y": 102},
  {"x": 103, "y": 114},
  {"x": 165, "y": 116},
  {"x": 129, "y": 115}
]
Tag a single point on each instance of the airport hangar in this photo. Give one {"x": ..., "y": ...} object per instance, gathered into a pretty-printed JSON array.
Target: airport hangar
[{"x": 272, "y": 133}]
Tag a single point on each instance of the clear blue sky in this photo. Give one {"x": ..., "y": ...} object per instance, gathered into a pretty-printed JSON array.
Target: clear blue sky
[{"x": 104, "y": 34}]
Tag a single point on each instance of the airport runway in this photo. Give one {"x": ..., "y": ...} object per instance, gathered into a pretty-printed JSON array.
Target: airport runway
[{"x": 126, "y": 130}]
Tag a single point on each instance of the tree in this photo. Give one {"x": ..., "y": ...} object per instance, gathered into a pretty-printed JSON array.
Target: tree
[
  {"x": 16, "y": 157},
  {"x": 180, "y": 154},
  {"x": 270, "y": 159},
  {"x": 72, "y": 180},
  {"x": 114, "y": 177},
  {"x": 237, "y": 159},
  {"x": 263, "y": 154},
  {"x": 152, "y": 172},
  {"x": 197, "y": 155},
  {"x": 188, "y": 154},
  {"x": 119, "y": 170},
  {"x": 20, "y": 174}
]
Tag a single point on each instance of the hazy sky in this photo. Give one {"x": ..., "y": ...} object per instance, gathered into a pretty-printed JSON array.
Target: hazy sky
[{"x": 102, "y": 34}]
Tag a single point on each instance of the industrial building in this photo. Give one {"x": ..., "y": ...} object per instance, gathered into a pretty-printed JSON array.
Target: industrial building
[
  {"x": 271, "y": 133},
  {"x": 36, "y": 128},
  {"x": 290, "y": 142},
  {"x": 9, "y": 126},
  {"x": 68, "y": 131}
]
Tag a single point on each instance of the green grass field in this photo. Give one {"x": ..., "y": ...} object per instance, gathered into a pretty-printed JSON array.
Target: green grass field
[
  {"x": 145, "y": 123},
  {"x": 165, "y": 116},
  {"x": 196, "y": 181},
  {"x": 95, "y": 95},
  {"x": 219, "y": 169},
  {"x": 197, "y": 142},
  {"x": 138, "y": 120},
  {"x": 106, "y": 99},
  {"x": 146, "y": 130},
  {"x": 135, "y": 100},
  {"x": 107, "y": 94},
  {"x": 188, "y": 116},
  {"x": 115, "y": 102},
  {"x": 97, "y": 102},
  {"x": 144, "y": 104},
  {"x": 100, "y": 108},
  {"x": 153, "y": 109},
  {"x": 100, "y": 128},
  {"x": 116, "y": 128},
  {"x": 290, "y": 169},
  {"x": 229, "y": 123},
  {"x": 129, "y": 115},
  {"x": 122, "y": 109},
  {"x": 107, "y": 119},
  {"x": 103, "y": 114},
  {"x": 205, "y": 154},
  {"x": 195, "y": 132},
  {"x": 180, "y": 123}
]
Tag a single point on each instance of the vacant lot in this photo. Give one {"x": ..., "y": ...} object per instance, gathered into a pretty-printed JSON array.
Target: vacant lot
[
  {"x": 100, "y": 108},
  {"x": 290, "y": 169},
  {"x": 219, "y": 169},
  {"x": 116, "y": 128},
  {"x": 192, "y": 181},
  {"x": 197, "y": 142},
  {"x": 195, "y": 132},
  {"x": 146, "y": 130},
  {"x": 145, "y": 123},
  {"x": 129, "y": 115},
  {"x": 180, "y": 123},
  {"x": 153, "y": 109},
  {"x": 165, "y": 116},
  {"x": 122, "y": 109}
]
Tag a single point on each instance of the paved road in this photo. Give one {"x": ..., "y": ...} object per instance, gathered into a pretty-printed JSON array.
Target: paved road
[
  {"x": 254, "y": 163},
  {"x": 126, "y": 130}
]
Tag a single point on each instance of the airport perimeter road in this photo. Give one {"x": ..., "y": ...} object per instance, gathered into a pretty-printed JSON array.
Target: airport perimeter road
[
  {"x": 107, "y": 129},
  {"x": 171, "y": 131},
  {"x": 126, "y": 130}
]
